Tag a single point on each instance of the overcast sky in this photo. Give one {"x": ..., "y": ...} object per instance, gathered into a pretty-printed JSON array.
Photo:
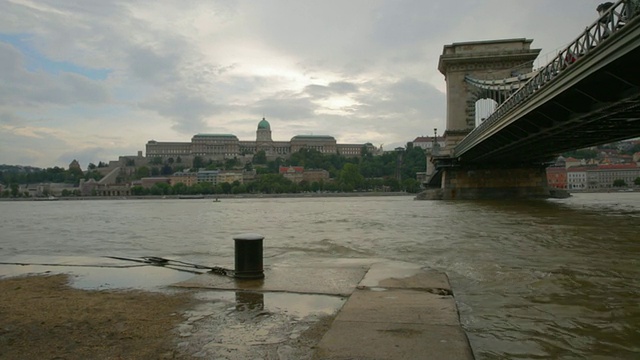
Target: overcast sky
[{"x": 93, "y": 80}]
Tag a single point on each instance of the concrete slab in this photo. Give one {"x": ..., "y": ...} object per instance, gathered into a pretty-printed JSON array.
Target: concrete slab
[
  {"x": 394, "y": 274},
  {"x": 399, "y": 311},
  {"x": 396, "y": 311},
  {"x": 339, "y": 281},
  {"x": 358, "y": 340},
  {"x": 400, "y": 306}
]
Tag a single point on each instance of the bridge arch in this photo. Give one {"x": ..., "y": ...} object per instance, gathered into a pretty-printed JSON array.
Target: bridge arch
[
  {"x": 484, "y": 107},
  {"x": 476, "y": 70}
]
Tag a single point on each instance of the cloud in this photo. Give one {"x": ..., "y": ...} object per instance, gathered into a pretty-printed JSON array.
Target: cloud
[
  {"x": 19, "y": 87},
  {"x": 89, "y": 155},
  {"x": 9, "y": 118},
  {"x": 284, "y": 106},
  {"x": 186, "y": 110},
  {"x": 160, "y": 64},
  {"x": 361, "y": 70},
  {"x": 334, "y": 88}
]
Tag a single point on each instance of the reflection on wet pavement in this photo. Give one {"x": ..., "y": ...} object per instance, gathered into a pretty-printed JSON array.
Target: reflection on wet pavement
[
  {"x": 91, "y": 273},
  {"x": 246, "y": 324}
]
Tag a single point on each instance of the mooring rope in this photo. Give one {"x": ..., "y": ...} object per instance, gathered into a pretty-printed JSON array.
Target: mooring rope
[{"x": 144, "y": 261}]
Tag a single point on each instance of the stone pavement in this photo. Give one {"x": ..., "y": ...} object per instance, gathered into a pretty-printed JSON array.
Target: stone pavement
[
  {"x": 320, "y": 309},
  {"x": 398, "y": 311},
  {"x": 394, "y": 310}
]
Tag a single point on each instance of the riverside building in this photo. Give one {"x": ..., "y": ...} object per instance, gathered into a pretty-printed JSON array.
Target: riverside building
[{"x": 228, "y": 146}]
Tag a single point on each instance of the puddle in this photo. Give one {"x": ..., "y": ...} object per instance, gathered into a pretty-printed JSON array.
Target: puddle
[
  {"x": 295, "y": 305},
  {"x": 142, "y": 278},
  {"x": 87, "y": 273},
  {"x": 248, "y": 325}
]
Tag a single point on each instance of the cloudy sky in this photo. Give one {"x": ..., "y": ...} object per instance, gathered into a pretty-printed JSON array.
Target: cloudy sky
[{"x": 94, "y": 79}]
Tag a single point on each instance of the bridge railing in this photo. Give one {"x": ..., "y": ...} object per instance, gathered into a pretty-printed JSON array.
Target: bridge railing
[
  {"x": 610, "y": 22},
  {"x": 507, "y": 84}
]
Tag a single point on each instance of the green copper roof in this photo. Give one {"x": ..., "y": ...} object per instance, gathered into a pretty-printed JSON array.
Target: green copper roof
[
  {"x": 313, "y": 137},
  {"x": 215, "y": 135},
  {"x": 264, "y": 124}
]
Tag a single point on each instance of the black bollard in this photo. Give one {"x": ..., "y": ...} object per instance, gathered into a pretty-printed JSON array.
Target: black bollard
[{"x": 248, "y": 251}]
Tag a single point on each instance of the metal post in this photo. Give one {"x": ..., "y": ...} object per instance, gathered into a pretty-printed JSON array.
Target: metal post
[{"x": 248, "y": 256}]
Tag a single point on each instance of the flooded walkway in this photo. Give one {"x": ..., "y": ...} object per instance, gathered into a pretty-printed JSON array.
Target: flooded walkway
[
  {"x": 342, "y": 309},
  {"x": 398, "y": 311},
  {"x": 323, "y": 309}
]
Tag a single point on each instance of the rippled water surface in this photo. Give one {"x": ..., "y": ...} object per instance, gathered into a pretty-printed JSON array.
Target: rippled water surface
[{"x": 533, "y": 280}]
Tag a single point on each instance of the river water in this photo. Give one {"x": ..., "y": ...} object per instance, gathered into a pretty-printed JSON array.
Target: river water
[{"x": 554, "y": 279}]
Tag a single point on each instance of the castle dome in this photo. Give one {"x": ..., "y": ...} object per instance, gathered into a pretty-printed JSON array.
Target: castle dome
[{"x": 264, "y": 124}]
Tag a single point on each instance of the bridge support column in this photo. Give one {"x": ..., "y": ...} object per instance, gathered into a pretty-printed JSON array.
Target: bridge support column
[{"x": 492, "y": 183}]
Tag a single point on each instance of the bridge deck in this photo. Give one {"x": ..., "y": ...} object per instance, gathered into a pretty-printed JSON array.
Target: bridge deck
[{"x": 595, "y": 100}]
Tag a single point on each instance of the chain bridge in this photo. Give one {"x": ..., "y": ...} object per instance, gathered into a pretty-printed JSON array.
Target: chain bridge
[{"x": 588, "y": 94}]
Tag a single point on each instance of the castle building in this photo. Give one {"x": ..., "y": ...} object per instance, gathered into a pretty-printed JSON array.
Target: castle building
[{"x": 227, "y": 146}]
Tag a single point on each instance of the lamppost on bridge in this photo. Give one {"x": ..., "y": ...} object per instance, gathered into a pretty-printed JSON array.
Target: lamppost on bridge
[{"x": 435, "y": 148}]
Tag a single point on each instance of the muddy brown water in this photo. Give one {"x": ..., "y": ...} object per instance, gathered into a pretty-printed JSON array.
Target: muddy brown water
[{"x": 533, "y": 279}]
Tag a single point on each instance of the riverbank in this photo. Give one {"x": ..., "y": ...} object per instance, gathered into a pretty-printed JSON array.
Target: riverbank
[
  {"x": 43, "y": 317},
  {"x": 350, "y": 304},
  {"x": 219, "y": 196}
]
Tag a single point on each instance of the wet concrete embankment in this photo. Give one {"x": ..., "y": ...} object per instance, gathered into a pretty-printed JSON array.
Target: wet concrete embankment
[
  {"x": 324, "y": 309},
  {"x": 392, "y": 310}
]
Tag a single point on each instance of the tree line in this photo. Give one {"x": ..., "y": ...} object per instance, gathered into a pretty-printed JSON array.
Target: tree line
[{"x": 392, "y": 171}]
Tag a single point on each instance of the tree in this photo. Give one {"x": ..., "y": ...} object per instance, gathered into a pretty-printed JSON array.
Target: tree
[
  {"x": 14, "y": 189},
  {"x": 141, "y": 172},
  {"x": 581, "y": 154},
  {"x": 156, "y": 161},
  {"x": 619, "y": 183},
  {"x": 230, "y": 164},
  {"x": 274, "y": 166},
  {"x": 632, "y": 150},
  {"x": 92, "y": 174},
  {"x": 198, "y": 162},
  {"x": 180, "y": 188},
  {"x": 74, "y": 175},
  {"x": 411, "y": 185},
  {"x": 240, "y": 189},
  {"x": 166, "y": 170},
  {"x": 226, "y": 187},
  {"x": 178, "y": 160},
  {"x": 637, "y": 181},
  {"x": 165, "y": 189},
  {"x": 138, "y": 190},
  {"x": 350, "y": 177},
  {"x": 365, "y": 153},
  {"x": 260, "y": 157},
  {"x": 392, "y": 183},
  {"x": 91, "y": 166}
]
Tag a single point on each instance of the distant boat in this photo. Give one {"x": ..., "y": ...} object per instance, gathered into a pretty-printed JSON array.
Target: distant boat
[
  {"x": 48, "y": 198},
  {"x": 216, "y": 200},
  {"x": 191, "y": 197}
]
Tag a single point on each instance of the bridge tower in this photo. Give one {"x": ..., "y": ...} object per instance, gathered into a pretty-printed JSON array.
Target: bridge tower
[
  {"x": 487, "y": 60},
  {"x": 496, "y": 60}
]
